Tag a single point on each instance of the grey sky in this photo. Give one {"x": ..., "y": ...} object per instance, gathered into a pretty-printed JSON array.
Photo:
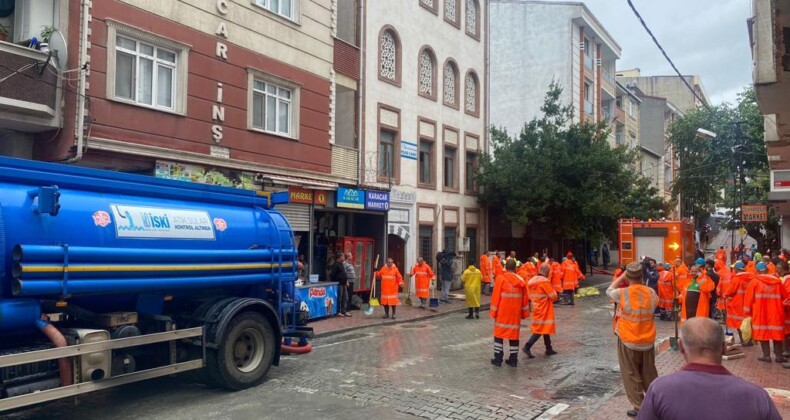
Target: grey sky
[{"x": 704, "y": 37}]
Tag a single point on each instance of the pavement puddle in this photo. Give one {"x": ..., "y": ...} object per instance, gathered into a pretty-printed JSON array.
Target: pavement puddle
[
  {"x": 468, "y": 344},
  {"x": 343, "y": 339}
]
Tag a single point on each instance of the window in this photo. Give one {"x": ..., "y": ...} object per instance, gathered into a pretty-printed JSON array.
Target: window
[
  {"x": 386, "y": 154},
  {"x": 451, "y": 84},
  {"x": 450, "y": 236},
  {"x": 427, "y": 74},
  {"x": 471, "y": 233},
  {"x": 588, "y": 54},
  {"x": 284, "y": 8},
  {"x": 630, "y": 108},
  {"x": 430, "y": 5},
  {"x": 471, "y": 171},
  {"x": 145, "y": 69},
  {"x": 144, "y": 73},
  {"x": 426, "y": 162},
  {"x": 470, "y": 97},
  {"x": 426, "y": 242},
  {"x": 451, "y": 12},
  {"x": 472, "y": 21},
  {"x": 450, "y": 168},
  {"x": 389, "y": 57},
  {"x": 272, "y": 107},
  {"x": 588, "y": 106}
]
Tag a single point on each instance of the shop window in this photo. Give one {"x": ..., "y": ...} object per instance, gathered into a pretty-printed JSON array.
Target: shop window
[
  {"x": 426, "y": 242},
  {"x": 450, "y": 237},
  {"x": 426, "y": 162}
]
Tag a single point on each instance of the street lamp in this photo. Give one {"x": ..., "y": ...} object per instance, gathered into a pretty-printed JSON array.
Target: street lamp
[{"x": 705, "y": 134}]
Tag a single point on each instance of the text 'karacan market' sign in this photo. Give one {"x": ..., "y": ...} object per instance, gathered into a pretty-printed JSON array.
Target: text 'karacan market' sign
[
  {"x": 754, "y": 213},
  {"x": 377, "y": 200},
  {"x": 350, "y": 198},
  {"x": 304, "y": 196}
]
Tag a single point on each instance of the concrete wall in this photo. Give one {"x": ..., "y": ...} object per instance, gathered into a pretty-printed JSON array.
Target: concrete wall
[
  {"x": 388, "y": 104},
  {"x": 670, "y": 87},
  {"x": 530, "y": 46}
]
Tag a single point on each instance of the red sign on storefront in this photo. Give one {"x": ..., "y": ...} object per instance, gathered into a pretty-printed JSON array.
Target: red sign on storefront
[{"x": 305, "y": 196}]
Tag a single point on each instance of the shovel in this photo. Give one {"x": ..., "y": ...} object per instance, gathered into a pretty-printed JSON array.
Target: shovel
[{"x": 673, "y": 341}]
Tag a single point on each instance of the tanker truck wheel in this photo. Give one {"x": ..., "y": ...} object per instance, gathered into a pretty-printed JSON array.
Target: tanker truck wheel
[{"x": 244, "y": 354}]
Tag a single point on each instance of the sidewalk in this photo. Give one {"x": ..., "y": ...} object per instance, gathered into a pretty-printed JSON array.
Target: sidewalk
[
  {"x": 770, "y": 376},
  {"x": 331, "y": 326}
]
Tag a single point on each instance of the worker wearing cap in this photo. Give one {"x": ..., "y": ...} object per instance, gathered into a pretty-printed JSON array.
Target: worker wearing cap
[
  {"x": 509, "y": 305},
  {"x": 636, "y": 332},
  {"x": 734, "y": 295},
  {"x": 391, "y": 281},
  {"x": 423, "y": 275},
  {"x": 541, "y": 296},
  {"x": 695, "y": 298},
  {"x": 666, "y": 291},
  {"x": 764, "y": 301}
]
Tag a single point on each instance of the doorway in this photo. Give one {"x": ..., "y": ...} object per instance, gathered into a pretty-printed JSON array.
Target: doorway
[{"x": 396, "y": 249}]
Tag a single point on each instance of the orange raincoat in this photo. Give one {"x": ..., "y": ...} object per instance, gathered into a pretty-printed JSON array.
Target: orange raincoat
[
  {"x": 787, "y": 306},
  {"x": 751, "y": 267},
  {"x": 764, "y": 300},
  {"x": 735, "y": 294},
  {"x": 541, "y": 296},
  {"x": 391, "y": 279},
  {"x": 486, "y": 269},
  {"x": 571, "y": 275},
  {"x": 509, "y": 305},
  {"x": 725, "y": 278},
  {"x": 498, "y": 267},
  {"x": 556, "y": 276},
  {"x": 666, "y": 291},
  {"x": 771, "y": 268},
  {"x": 721, "y": 255},
  {"x": 706, "y": 286},
  {"x": 422, "y": 279}
]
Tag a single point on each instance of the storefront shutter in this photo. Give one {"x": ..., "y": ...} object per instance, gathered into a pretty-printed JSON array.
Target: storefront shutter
[{"x": 298, "y": 215}]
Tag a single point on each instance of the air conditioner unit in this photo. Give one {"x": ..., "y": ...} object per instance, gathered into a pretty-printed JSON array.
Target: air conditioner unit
[{"x": 463, "y": 244}]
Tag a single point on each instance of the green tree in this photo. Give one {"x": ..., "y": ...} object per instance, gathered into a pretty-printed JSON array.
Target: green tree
[
  {"x": 562, "y": 174},
  {"x": 735, "y": 162}
]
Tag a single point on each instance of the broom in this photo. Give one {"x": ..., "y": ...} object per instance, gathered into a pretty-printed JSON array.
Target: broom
[
  {"x": 373, "y": 300},
  {"x": 408, "y": 291}
]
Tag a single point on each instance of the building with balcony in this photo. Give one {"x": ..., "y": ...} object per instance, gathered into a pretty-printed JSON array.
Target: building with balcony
[
  {"x": 534, "y": 43},
  {"x": 32, "y": 85},
  {"x": 425, "y": 122},
  {"x": 769, "y": 33}
]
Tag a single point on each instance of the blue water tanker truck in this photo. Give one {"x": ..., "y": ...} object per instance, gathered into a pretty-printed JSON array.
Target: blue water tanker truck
[{"x": 108, "y": 278}]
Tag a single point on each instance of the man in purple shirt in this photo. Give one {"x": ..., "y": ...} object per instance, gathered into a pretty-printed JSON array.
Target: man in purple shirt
[{"x": 704, "y": 389}]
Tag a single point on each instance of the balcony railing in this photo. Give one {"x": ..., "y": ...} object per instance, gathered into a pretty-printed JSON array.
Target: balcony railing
[{"x": 29, "y": 97}]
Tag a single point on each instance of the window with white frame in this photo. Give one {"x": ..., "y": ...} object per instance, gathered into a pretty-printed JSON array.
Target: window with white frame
[
  {"x": 144, "y": 73},
  {"x": 284, "y": 8},
  {"x": 145, "y": 69},
  {"x": 272, "y": 107}
]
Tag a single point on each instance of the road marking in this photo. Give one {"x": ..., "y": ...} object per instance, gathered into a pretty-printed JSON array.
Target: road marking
[
  {"x": 553, "y": 411},
  {"x": 344, "y": 342}
]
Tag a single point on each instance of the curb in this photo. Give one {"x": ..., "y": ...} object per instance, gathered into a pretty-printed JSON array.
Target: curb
[{"x": 428, "y": 316}]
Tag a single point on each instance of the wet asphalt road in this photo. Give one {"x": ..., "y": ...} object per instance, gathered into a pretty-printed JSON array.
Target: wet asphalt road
[{"x": 433, "y": 369}]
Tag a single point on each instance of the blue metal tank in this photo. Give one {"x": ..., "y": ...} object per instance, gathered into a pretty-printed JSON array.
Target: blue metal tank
[{"x": 69, "y": 232}]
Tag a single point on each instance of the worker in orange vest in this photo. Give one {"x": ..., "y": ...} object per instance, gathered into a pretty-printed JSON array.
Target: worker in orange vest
[
  {"x": 423, "y": 274},
  {"x": 666, "y": 292},
  {"x": 764, "y": 301},
  {"x": 695, "y": 298},
  {"x": 391, "y": 281},
  {"x": 487, "y": 271},
  {"x": 721, "y": 255},
  {"x": 751, "y": 266},
  {"x": 681, "y": 275},
  {"x": 724, "y": 283},
  {"x": 556, "y": 276},
  {"x": 499, "y": 268},
  {"x": 570, "y": 278},
  {"x": 734, "y": 295},
  {"x": 509, "y": 305},
  {"x": 541, "y": 298},
  {"x": 636, "y": 332},
  {"x": 783, "y": 269},
  {"x": 769, "y": 264}
]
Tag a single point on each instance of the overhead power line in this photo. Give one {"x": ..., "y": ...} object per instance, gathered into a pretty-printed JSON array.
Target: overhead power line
[{"x": 658, "y": 44}]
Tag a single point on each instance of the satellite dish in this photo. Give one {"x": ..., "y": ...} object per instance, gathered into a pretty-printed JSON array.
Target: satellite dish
[{"x": 58, "y": 49}]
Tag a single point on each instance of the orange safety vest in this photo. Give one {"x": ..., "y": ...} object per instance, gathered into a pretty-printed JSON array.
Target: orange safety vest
[
  {"x": 509, "y": 305},
  {"x": 422, "y": 279},
  {"x": 666, "y": 293},
  {"x": 571, "y": 275},
  {"x": 721, "y": 255},
  {"x": 706, "y": 286},
  {"x": 725, "y": 278},
  {"x": 635, "y": 323},
  {"x": 390, "y": 280},
  {"x": 734, "y": 294},
  {"x": 556, "y": 276},
  {"x": 499, "y": 268},
  {"x": 787, "y": 306},
  {"x": 764, "y": 300},
  {"x": 541, "y": 294},
  {"x": 485, "y": 268}
]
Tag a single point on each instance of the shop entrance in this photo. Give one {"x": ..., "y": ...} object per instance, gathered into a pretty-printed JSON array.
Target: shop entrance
[{"x": 396, "y": 249}]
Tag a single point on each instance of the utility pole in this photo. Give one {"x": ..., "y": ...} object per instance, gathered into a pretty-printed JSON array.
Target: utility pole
[{"x": 737, "y": 176}]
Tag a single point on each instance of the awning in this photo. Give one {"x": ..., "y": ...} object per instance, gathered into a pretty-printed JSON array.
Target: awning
[{"x": 315, "y": 184}]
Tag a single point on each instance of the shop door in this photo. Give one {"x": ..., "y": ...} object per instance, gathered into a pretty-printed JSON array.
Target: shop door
[{"x": 396, "y": 249}]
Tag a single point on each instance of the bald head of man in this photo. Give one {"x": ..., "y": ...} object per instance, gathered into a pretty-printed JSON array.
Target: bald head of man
[
  {"x": 544, "y": 270},
  {"x": 702, "y": 341}
]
